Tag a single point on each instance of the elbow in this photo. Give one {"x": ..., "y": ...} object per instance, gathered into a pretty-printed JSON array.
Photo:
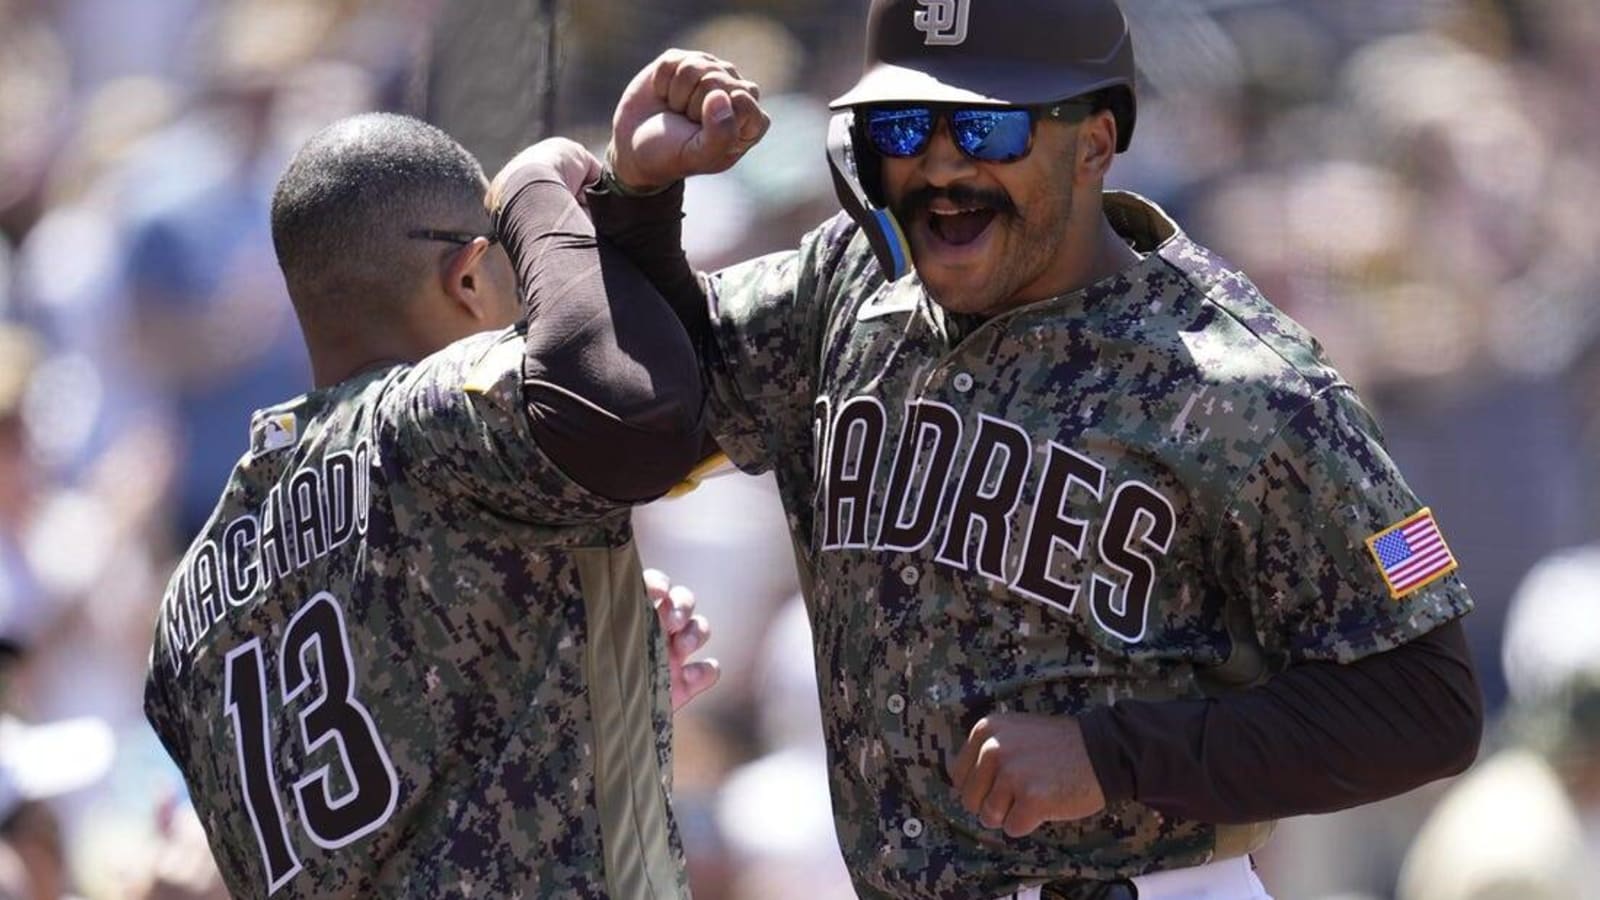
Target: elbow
[
  {"x": 676, "y": 416},
  {"x": 630, "y": 449},
  {"x": 1450, "y": 715},
  {"x": 1455, "y": 735},
  {"x": 683, "y": 416},
  {"x": 672, "y": 426},
  {"x": 680, "y": 437},
  {"x": 1464, "y": 735},
  {"x": 1465, "y": 724}
]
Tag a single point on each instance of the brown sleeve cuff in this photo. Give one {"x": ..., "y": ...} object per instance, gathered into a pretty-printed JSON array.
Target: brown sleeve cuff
[
  {"x": 1112, "y": 768},
  {"x": 623, "y": 216}
]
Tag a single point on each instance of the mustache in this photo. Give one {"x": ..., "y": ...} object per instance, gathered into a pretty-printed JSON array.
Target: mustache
[{"x": 962, "y": 195}]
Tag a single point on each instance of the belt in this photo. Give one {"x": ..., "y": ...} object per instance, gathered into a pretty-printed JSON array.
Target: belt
[
  {"x": 1076, "y": 890},
  {"x": 1089, "y": 890},
  {"x": 1233, "y": 879}
]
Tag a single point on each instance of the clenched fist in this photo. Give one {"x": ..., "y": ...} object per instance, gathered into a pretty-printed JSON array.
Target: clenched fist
[
  {"x": 1018, "y": 771},
  {"x": 687, "y": 113}
]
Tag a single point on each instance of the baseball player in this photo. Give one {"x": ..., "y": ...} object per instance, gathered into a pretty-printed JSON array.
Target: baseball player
[
  {"x": 1107, "y": 566},
  {"x": 412, "y": 655}
]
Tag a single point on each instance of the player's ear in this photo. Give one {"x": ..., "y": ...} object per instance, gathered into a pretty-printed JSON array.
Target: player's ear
[
  {"x": 465, "y": 279},
  {"x": 1097, "y": 146}
]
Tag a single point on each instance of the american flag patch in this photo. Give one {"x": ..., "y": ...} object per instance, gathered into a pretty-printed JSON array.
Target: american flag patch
[{"x": 1411, "y": 554}]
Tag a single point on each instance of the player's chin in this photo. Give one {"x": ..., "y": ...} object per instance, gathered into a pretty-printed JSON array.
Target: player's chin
[
  {"x": 969, "y": 284},
  {"x": 966, "y": 291}
]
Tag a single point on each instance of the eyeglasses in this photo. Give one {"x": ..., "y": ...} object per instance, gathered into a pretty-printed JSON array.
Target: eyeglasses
[
  {"x": 1000, "y": 134},
  {"x": 452, "y": 237}
]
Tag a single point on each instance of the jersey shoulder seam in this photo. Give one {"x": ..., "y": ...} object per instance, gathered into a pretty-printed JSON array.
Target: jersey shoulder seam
[
  {"x": 1237, "y": 487},
  {"x": 1208, "y": 291}
]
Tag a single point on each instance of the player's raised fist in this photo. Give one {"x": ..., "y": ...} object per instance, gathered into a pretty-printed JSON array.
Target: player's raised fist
[
  {"x": 1019, "y": 771},
  {"x": 686, "y": 113}
]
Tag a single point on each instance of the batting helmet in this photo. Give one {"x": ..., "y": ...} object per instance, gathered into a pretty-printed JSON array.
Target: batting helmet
[{"x": 999, "y": 52}]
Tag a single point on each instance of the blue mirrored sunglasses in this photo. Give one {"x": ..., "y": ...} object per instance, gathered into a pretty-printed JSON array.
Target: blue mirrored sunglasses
[{"x": 984, "y": 133}]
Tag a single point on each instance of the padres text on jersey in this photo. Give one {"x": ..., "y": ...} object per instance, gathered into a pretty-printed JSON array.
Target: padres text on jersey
[{"x": 1155, "y": 487}]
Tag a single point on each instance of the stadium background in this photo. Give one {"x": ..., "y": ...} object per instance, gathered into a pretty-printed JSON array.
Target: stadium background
[{"x": 1415, "y": 180}]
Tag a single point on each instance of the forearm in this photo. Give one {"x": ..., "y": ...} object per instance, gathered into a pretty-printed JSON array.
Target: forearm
[
  {"x": 649, "y": 231},
  {"x": 610, "y": 379},
  {"x": 1318, "y": 737}
]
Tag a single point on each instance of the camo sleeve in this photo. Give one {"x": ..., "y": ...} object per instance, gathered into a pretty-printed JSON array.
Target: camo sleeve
[
  {"x": 768, "y": 316},
  {"x": 456, "y": 424},
  {"x": 1296, "y": 539}
]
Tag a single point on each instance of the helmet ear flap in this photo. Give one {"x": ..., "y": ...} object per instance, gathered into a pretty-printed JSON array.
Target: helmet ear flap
[
  {"x": 869, "y": 162},
  {"x": 855, "y": 166}
]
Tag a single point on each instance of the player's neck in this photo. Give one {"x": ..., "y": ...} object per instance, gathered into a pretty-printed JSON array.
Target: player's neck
[
  {"x": 352, "y": 371},
  {"x": 341, "y": 363},
  {"x": 1115, "y": 255},
  {"x": 1091, "y": 253}
]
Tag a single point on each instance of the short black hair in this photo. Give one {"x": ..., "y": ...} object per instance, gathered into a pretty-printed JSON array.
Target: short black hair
[{"x": 343, "y": 205}]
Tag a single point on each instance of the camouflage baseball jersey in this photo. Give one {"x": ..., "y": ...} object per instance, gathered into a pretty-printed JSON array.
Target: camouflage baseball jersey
[
  {"x": 1155, "y": 487},
  {"x": 409, "y": 658}
]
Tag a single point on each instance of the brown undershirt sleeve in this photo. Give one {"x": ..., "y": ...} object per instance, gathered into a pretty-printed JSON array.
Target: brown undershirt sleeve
[
  {"x": 1316, "y": 738},
  {"x": 649, "y": 229},
  {"x": 611, "y": 384}
]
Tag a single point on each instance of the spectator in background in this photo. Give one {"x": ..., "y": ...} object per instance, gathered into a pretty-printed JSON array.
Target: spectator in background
[
  {"x": 213, "y": 323},
  {"x": 181, "y": 867},
  {"x": 38, "y": 762},
  {"x": 25, "y": 606},
  {"x": 1525, "y": 823}
]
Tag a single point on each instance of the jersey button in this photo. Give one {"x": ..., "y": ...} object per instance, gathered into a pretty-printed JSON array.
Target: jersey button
[
  {"x": 962, "y": 382},
  {"x": 909, "y": 575},
  {"x": 912, "y": 827},
  {"x": 896, "y": 704}
]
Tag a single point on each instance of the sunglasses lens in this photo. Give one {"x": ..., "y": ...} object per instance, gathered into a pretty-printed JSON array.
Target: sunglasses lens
[
  {"x": 899, "y": 133},
  {"x": 992, "y": 135}
]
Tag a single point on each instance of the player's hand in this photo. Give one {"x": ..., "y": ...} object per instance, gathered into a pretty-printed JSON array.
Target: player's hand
[
  {"x": 1018, "y": 771},
  {"x": 687, "y": 113},
  {"x": 686, "y": 634},
  {"x": 566, "y": 159}
]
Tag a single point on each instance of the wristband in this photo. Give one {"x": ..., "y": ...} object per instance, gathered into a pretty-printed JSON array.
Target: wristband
[{"x": 609, "y": 183}]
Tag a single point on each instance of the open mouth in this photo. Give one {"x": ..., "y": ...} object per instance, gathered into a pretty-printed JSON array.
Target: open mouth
[{"x": 961, "y": 226}]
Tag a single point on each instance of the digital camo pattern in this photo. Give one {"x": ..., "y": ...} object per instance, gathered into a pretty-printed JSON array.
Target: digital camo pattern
[
  {"x": 372, "y": 665},
  {"x": 1155, "y": 487}
]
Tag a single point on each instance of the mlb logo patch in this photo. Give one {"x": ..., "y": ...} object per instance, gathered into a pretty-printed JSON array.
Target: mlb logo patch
[
  {"x": 1411, "y": 554},
  {"x": 277, "y": 432}
]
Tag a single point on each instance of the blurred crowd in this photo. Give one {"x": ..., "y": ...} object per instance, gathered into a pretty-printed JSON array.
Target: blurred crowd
[{"x": 1414, "y": 180}]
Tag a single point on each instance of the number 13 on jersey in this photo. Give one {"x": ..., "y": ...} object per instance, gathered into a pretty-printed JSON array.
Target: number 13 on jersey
[{"x": 335, "y": 716}]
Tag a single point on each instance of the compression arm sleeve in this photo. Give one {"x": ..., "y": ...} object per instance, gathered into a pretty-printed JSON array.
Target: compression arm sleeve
[
  {"x": 649, "y": 229},
  {"x": 611, "y": 385},
  {"x": 1318, "y": 737}
]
